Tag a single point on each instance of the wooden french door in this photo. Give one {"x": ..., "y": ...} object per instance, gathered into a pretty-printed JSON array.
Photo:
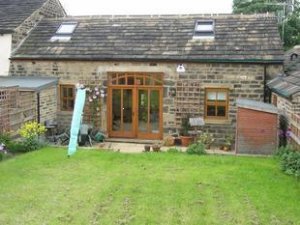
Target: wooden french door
[
  {"x": 122, "y": 112},
  {"x": 135, "y": 106}
]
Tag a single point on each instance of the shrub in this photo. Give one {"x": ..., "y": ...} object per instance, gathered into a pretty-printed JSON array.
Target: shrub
[
  {"x": 4, "y": 156},
  {"x": 5, "y": 138},
  {"x": 173, "y": 150},
  {"x": 289, "y": 160},
  {"x": 30, "y": 131},
  {"x": 206, "y": 138},
  {"x": 16, "y": 147},
  {"x": 196, "y": 148}
]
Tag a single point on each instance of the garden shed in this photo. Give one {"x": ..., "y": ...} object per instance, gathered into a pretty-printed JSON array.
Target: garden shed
[
  {"x": 257, "y": 124},
  {"x": 25, "y": 99}
]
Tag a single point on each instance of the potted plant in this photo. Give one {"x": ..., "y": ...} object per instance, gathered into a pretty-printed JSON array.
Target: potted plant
[
  {"x": 169, "y": 141},
  {"x": 185, "y": 127},
  {"x": 206, "y": 139},
  {"x": 156, "y": 147},
  {"x": 228, "y": 142}
]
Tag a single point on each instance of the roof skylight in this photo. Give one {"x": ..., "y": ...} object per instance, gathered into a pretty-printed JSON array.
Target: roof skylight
[
  {"x": 66, "y": 28},
  {"x": 60, "y": 38},
  {"x": 64, "y": 32},
  {"x": 204, "y": 29}
]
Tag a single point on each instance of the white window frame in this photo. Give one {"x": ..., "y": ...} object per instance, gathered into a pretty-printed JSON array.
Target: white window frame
[
  {"x": 204, "y": 29},
  {"x": 66, "y": 28}
]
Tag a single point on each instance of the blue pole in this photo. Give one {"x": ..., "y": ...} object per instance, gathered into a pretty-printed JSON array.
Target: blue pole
[{"x": 76, "y": 119}]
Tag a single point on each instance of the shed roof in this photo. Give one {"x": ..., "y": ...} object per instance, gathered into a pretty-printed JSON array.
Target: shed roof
[
  {"x": 286, "y": 86},
  {"x": 256, "y": 105},
  {"x": 30, "y": 83},
  {"x": 14, "y": 12},
  {"x": 246, "y": 38}
]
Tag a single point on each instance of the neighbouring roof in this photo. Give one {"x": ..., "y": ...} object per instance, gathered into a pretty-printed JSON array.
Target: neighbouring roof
[
  {"x": 30, "y": 83},
  {"x": 14, "y": 12},
  {"x": 256, "y": 105},
  {"x": 246, "y": 38},
  {"x": 286, "y": 86},
  {"x": 292, "y": 59}
]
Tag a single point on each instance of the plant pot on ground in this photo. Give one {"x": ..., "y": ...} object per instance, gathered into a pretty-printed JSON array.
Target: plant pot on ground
[
  {"x": 156, "y": 147},
  {"x": 185, "y": 127},
  {"x": 147, "y": 148}
]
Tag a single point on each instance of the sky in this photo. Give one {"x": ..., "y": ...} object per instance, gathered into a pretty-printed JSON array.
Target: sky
[{"x": 130, "y": 7}]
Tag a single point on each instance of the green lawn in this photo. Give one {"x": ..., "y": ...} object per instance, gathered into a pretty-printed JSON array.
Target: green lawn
[{"x": 94, "y": 187}]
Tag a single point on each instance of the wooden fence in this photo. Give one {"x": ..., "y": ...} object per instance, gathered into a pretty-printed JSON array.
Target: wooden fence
[{"x": 16, "y": 108}]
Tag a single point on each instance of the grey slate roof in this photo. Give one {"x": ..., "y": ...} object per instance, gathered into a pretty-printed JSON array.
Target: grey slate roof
[
  {"x": 286, "y": 86},
  {"x": 251, "y": 38},
  {"x": 256, "y": 105},
  {"x": 14, "y": 12},
  {"x": 31, "y": 83}
]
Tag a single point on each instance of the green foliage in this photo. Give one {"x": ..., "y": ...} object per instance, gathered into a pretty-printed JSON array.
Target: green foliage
[
  {"x": 173, "y": 150},
  {"x": 185, "y": 126},
  {"x": 254, "y": 6},
  {"x": 206, "y": 138},
  {"x": 106, "y": 187},
  {"x": 5, "y": 138},
  {"x": 289, "y": 160},
  {"x": 4, "y": 156},
  {"x": 30, "y": 131},
  {"x": 229, "y": 140},
  {"x": 16, "y": 147},
  {"x": 291, "y": 28},
  {"x": 196, "y": 148},
  {"x": 289, "y": 22}
]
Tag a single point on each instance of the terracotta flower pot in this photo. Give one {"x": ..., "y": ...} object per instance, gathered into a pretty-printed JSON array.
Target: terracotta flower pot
[{"x": 186, "y": 140}]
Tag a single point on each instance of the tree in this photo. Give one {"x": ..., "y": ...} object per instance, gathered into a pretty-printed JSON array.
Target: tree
[{"x": 287, "y": 12}]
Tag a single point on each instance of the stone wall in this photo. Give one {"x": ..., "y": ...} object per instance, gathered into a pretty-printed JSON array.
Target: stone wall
[
  {"x": 242, "y": 81},
  {"x": 48, "y": 104},
  {"x": 51, "y": 9},
  {"x": 291, "y": 109}
]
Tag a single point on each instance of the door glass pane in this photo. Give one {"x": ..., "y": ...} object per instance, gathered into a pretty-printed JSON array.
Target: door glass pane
[
  {"x": 70, "y": 104},
  {"x": 139, "y": 81},
  {"x": 64, "y": 104},
  {"x": 70, "y": 90},
  {"x": 122, "y": 81},
  {"x": 65, "y": 92},
  {"x": 154, "y": 111},
  {"x": 149, "y": 81},
  {"x": 143, "y": 110},
  {"x": 130, "y": 80},
  {"x": 127, "y": 110},
  {"x": 116, "y": 110}
]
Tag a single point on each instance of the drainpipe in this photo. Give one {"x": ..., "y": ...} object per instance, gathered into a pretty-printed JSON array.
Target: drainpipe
[
  {"x": 38, "y": 100},
  {"x": 265, "y": 83}
]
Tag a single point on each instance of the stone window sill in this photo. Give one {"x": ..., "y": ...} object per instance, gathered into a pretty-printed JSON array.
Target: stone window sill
[{"x": 217, "y": 121}]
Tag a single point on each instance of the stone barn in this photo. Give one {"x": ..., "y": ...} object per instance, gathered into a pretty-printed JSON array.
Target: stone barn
[{"x": 146, "y": 73}]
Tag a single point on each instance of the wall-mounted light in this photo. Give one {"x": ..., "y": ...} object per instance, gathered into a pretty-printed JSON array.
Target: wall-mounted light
[
  {"x": 79, "y": 85},
  {"x": 180, "y": 68}
]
